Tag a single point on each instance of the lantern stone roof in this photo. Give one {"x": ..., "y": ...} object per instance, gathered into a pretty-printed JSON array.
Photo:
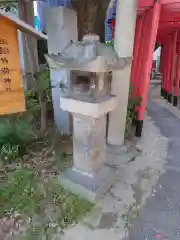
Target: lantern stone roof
[
  {"x": 21, "y": 25},
  {"x": 88, "y": 55}
]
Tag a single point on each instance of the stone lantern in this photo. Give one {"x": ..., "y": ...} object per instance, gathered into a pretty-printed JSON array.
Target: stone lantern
[{"x": 89, "y": 100}]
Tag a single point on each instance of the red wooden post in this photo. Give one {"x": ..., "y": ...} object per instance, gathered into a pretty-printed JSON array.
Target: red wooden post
[
  {"x": 168, "y": 68},
  {"x": 172, "y": 66},
  {"x": 138, "y": 33},
  {"x": 161, "y": 59},
  {"x": 161, "y": 68},
  {"x": 177, "y": 80},
  {"x": 140, "y": 57},
  {"x": 164, "y": 70},
  {"x": 148, "y": 57}
]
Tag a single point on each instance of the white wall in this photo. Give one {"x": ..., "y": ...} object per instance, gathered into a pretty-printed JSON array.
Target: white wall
[{"x": 157, "y": 54}]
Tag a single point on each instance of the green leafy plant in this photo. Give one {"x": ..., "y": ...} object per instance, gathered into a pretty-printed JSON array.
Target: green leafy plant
[
  {"x": 19, "y": 189},
  {"x": 32, "y": 101},
  {"x": 133, "y": 103},
  {"x": 15, "y": 133},
  {"x": 110, "y": 43},
  {"x": 9, "y": 152},
  {"x": 40, "y": 91},
  {"x": 39, "y": 97}
]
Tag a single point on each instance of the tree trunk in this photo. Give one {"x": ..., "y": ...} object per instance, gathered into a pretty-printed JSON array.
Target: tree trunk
[
  {"x": 91, "y": 16},
  {"x": 43, "y": 107},
  {"x": 31, "y": 63}
]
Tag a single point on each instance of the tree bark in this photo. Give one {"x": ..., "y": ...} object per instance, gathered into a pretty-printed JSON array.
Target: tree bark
[{"x": 91, "y": 16}]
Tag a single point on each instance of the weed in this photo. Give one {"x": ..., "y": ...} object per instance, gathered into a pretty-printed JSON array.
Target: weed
[
  {"x": 48, "y": 206},
  {"x": 130, "y": 216},
  {"x": 15, "y": 133}
]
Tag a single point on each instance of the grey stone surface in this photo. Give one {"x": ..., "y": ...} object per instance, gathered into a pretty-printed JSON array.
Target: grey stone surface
[
  {"x": 117, "y": 156},
  {"x": 88, "y": 55},
  {"x": 89, "y": 144},
  {"x": 89, "y": 176},
  {"x": 160, "y": 217},
  {"x": 91, "y": 186}
]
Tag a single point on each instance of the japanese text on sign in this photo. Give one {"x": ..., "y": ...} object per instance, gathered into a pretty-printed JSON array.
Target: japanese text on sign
[
  {"x": 12, "y": 98},
  {"x": 5, "y": 71}
]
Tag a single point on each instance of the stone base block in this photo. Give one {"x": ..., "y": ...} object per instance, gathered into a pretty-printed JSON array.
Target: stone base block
[
  {"x": 91, "y": 187},
  {"x": 117, "y": 156}
]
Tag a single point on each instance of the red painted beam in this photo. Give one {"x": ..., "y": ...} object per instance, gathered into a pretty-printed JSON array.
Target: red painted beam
[
  {"x": 140, "y": 57},
  {"x": 177, "y": 79},
  {"x": 172, "y": 65},
  {"x": 137, "y": 42},
  {"x": 162, "y": 68},
  {"x": 145, "y": 4},
  {"x": 152, "y": 26},
  {"x": 168, "y": 68},
  {"x": 161, "y": 59},
  {"x": 165, "y": 68},
  {"x": 169, "y": 1}
]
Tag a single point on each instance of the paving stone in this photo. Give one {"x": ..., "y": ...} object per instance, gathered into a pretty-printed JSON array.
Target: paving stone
[{"x": 160, "y": 217}]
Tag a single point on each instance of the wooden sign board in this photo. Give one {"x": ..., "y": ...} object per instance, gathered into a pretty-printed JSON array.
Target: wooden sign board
[
  {"x": 12, "y": 98},
  {"x": 11, "y": 89}
]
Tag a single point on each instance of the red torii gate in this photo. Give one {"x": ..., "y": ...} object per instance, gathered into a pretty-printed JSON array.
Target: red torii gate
[{"x": 157, "y": 22}]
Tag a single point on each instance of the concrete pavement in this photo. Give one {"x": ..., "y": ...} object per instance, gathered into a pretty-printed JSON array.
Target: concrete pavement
[{"x": 159, "y": 218}]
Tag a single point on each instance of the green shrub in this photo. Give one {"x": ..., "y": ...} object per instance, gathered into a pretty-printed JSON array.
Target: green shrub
[
  {"x": 32, "y": 102},
  {"x": 131, "y": 110},
  {"x": 9, "y": 152},
  {"x": 17, "y": 191},
  {"x": 133, "y": 103},
  {"x": 15, "y": 133},
  {"x": 40, "y": 92}
]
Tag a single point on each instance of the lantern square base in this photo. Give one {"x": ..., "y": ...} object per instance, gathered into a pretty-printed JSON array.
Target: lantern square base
[{"x": 90, "y": 186}]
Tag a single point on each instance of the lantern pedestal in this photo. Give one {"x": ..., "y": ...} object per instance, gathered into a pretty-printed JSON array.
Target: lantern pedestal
[
  {"x": 90, "y": 186},
  {"x": 89, "y": 176}
]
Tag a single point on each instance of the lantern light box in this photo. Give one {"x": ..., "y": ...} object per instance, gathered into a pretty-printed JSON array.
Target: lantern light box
[{"x": 12, "y": 98}]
